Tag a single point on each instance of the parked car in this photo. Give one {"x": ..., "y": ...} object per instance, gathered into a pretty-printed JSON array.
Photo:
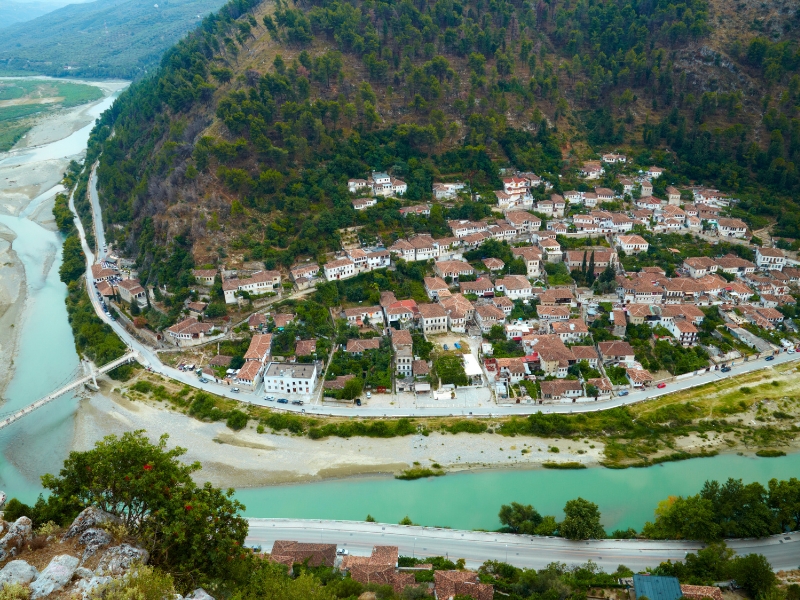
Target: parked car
[
  {"x": 770, "y": 358},
  {"x": 457, "y": 345},
  {"x": 358, "y": 401},
  {"x": 623, "y": 393},
  {"x": 235, "y": 390},
  {"x": 297, "y": 402},
  {"x": 269, "y": 398},
  {"x": 203, "y": 380},
  {"x": 283, "y": 401},
  {"x": 726, "y": 369},
  {"x": 791, "y": 351},
  {"x": 342, "y": 552},
  {"x": 445, "y": 347},
  {"x": 661, "y": 385},
  {"x": 369, "y": 395}
]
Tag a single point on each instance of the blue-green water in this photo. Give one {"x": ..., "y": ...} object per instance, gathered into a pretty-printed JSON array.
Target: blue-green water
[{"x": 626, "y": 498}]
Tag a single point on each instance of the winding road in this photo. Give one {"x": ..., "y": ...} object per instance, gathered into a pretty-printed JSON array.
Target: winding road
[
  {"x": 149, "y": 358},
  {"x": 782, "y": 551}
]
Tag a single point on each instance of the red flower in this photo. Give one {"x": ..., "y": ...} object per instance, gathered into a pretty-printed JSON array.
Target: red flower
[
  {"x": 148, "y": 467},
  {"x": 188, "y": 507}
]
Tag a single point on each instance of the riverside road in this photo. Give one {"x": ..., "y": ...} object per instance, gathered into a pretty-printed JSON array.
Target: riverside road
[
  {"x": 149, "y": 357},
  {"x": 782, "y": 551}
]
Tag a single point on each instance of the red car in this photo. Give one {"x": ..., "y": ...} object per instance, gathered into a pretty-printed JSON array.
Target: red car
[{"x": 661, "y": 385}]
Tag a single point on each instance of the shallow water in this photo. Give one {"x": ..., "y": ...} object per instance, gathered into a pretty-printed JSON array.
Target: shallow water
[{"x": 471, "y": 500}]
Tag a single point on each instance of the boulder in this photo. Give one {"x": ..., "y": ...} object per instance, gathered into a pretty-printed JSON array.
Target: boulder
[
  {"x": 83, "y": 573},
  {"x": 199, "y": 594},
  {"x": 94, "y": 539},
  {"x": 89, "y": 518},
  {"x": 117, "y": 560},
  {"x": 18, "y": 571},
  {"x": 86, "y": 587},
  {"x": 55, "y": 576},
  {"x": 20, "y": 532}
]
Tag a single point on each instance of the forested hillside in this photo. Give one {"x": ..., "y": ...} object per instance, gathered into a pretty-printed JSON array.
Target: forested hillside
[
  {"x": 241, "y": 146},
  {"x": 104, "y": 38}
]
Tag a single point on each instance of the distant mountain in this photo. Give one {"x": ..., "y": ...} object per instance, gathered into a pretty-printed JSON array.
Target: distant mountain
[
  {"x": 105, "y": 38},
  {"x": 12, "y": 12}
]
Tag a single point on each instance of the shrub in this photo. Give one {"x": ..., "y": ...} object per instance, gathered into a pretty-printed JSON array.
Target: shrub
[{"x": 237, "y": 420}]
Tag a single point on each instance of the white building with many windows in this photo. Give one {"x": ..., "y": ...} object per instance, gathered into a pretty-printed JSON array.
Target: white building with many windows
[{"x": 290, "y": 378}]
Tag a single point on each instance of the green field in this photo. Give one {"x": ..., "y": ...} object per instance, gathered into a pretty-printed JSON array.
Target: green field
[{"x": 22, "y": 99}]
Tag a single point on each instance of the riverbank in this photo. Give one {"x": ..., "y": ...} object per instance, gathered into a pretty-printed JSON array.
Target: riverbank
[
  {"x": 248, "y": 458},
  {"x": 30, "y": 176}
]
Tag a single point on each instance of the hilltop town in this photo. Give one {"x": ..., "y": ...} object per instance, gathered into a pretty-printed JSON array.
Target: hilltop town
[{"x": 549, "y": 298}]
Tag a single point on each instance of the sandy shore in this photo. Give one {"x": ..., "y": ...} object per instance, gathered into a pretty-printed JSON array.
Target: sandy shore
[
  {"x": 247, "y": 458},
  {"x": 12, "y": 298}
]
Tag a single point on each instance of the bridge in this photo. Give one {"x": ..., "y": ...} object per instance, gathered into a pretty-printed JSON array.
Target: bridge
[{"x": 110, "y": 366}]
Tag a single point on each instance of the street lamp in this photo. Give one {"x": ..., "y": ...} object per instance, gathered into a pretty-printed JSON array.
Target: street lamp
[
  {"x": 414, "y": 551},
  {"x": 506, "y": 553}
]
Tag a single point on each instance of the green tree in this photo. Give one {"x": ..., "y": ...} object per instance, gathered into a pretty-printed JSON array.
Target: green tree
[
  {"x": 352, "y": 389},
  {"x": 195, "y": 533},
  {"x": 520, "y": 518},
  {"x": 582, "y": 521},
  {"x": 784, "y": 500},
  {"x": 754, "y": 573}
]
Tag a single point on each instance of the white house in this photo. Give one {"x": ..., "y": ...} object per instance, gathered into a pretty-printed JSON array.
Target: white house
[
  {"x": 515, "y": 287},
  {"x": 258, "y": 283},
  {"x": 290, "y": 378},
  {"x": 771, "y": 259},
  {"x": 447, "y": 191},
  {"x": 735, "y": 228},
  {"x": 631, "y": 244},
  {"x": 342, "y": 268},
  {"x": 655, "y": 172},
  {"x": 592, "y": 170}
]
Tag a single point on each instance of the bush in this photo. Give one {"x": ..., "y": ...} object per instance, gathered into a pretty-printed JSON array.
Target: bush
[{"x": 237, "y": 420}]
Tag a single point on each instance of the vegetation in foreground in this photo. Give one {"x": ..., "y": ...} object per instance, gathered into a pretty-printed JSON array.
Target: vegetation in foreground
[{"x": 195, "y": 535}]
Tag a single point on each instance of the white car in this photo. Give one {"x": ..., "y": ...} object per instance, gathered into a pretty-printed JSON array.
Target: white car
[
  {"x": 342, "y": 552},
  {"x": 791, "y": 351}
]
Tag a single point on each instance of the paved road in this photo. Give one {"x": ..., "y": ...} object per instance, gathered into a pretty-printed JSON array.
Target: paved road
[
  {"x": 149, "y": 358},
  {"x": 99, "y": 230},
  {"x": 783, "y": 551}
]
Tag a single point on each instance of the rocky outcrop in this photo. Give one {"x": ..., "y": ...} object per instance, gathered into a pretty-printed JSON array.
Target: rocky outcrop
[
  {"x": 199, "y": 594},
  {"x": 20, "y": 532},
  {"x": 18, "y": 571},
  {"x": 86, "y": 587},
  {"x": 90, "y": 518},
  {"x": 117, "y": 560},
  {"x": 55, "y": 576},
  {"x": 94, "y": 539}
]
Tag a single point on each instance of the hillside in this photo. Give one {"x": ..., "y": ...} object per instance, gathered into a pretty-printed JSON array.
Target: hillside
[
  {"x": 104, "y": 38},
  {"x": 12, "y": 12},
  {"x": 241, "y": 147}
]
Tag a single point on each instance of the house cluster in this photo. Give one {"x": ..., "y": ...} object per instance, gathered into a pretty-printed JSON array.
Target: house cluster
[
  {"x": 377, "y": 184},
  {"x": 381, "y": 567},
  {"x": 109, "y": 284},
  {"x": 516, "y": 192},
  {"x": 236, "y": 286}
]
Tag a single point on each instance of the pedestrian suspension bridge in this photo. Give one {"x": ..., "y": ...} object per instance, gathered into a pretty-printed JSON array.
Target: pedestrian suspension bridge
[{"x": 9, "y": 418}]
